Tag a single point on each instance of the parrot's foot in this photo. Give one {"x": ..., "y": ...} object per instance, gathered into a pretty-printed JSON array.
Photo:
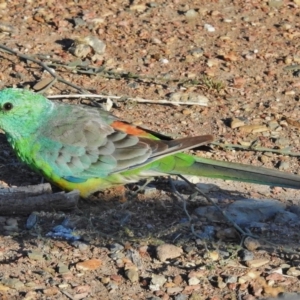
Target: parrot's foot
[
  {"x": 141, "y": 187},
  {"x": 131, "y": 196}
]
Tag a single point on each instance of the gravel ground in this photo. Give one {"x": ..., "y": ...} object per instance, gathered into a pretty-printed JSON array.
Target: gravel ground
[{"x": 243, "y": 58}]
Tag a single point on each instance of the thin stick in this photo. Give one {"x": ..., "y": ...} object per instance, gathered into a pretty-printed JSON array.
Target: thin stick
[
  {"x": 185, "y": 210},
  {"x": 122, "y": 98},
  {"x": 259, "y": 149}
]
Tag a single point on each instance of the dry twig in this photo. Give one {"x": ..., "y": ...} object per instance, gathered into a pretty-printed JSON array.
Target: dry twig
[
  {"x": 121, "y": 98},
  {"x": 23, "y": 201},
  {"x": 258, "y": 149}
]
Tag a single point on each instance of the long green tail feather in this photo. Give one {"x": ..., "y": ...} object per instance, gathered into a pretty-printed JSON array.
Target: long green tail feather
[{"x": 210, "y": 168}]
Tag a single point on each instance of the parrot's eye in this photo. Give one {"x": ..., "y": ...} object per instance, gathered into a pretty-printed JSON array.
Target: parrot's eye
[{"x": 7, "y": 106}]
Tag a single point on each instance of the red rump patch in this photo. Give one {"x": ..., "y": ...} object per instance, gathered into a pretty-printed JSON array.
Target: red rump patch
[{"x": 130, "y": 129}]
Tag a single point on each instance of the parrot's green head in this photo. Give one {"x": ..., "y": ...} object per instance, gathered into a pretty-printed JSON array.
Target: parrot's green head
[{"x": 22, "y": 112}]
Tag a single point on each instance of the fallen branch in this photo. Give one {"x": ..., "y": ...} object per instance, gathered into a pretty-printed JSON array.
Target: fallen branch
[
  {"x": 26, "y": 191},
  {"x": 11, "y": 204}
]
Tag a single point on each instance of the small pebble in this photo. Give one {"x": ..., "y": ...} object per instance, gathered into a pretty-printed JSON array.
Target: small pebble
[
  {"x": 197, "y": 273},
  {"x": 167, "y": 251},
  {"x": 111, "y": 286},
  {"x": 198, "y": 296},
  {"x": 209, "y": 28},
  {"x": 177, "y": 279},
  {"x": 13, "y": 283},
  {"x": 5, "y": 27},
  {"x": 132, "y": 274},
  {"x": 253, "y": 274},
  {"x": 88, "y": 265},
  {"x": 251, "y": 244},
  {"x": 42, "y": 83},
  {"x": 181, "y": 297},
  {"x": 197, "y": 52},
  {"x": 227, "y": 234},
  {"x": 290, "y": 93},
  {"x": 35, "y": 255},
  {"x": 154, "y": 287},
  {"x": 12, "y": 222},
  {"x": 193, "y": 281},
  {"x": 224, "y": 254},
  {"x": 221, "y": 283},
  {"x": 116, "y": 278},
  {"x": 174, "y": 290},
  {"x": 273, "y": 124},
  {"x": 87, "y": 46},
  {"x": 253, "y": 128},
  {"x": 246, "y": 255},
  {"x": 275, "y": 277},
  {"x": 138, "y": 7},
  {"x": 164, "y": 61},
  {"x": 212, "y": 62},
  {"x": 256, "y": 263},
  {"x": 264, "y": 159},
  {"x": 152, "y": 4},
  {"x": 214, "y": 255},
  {"x": 293, "y": 271},
  {"x": 149, "y": 190},
  {"x": 175, "y": 97},
  {"x": 62, "y": 268},
  {"x": 259, "y": 226},
  {"x": 275, "y": 3},
  {"x": 105, "y": 280},
  {"x": 282, "y": 142},
  {"x": 243, "y": 279},
  {"x": 79, "y": 22},
  {"x": 116, "y": 247},
  {"x": 188, "y": 248},
  {"x": 207, "y": 233},
  {"x": 230, "y": 279},
  {"x": 187, "y": 111},
  {"x": 117, "y": 255},
  {"x": 31, "y": 221},
  {"x": 81, "y": 246},
  {"x": 284, "y": 166},
  {"x": 191, "y": 14},
  {"x": 159, "y": 280},
  {"x": 235, "y": 123},
  {"x": 198, "y": 99},
  {"x": 288, "y": 296}
]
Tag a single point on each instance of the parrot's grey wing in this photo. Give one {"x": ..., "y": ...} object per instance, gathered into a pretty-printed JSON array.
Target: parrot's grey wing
[{"x": 80, "y": 143}]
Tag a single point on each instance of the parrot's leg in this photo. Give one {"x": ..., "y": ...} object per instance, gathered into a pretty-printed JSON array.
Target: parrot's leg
[
  {"x": 142, "y": 187},
  {"x": 131, "y": 195}
]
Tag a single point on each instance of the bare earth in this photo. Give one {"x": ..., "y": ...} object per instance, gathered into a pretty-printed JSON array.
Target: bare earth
[{"x": 244, "y": 57}]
